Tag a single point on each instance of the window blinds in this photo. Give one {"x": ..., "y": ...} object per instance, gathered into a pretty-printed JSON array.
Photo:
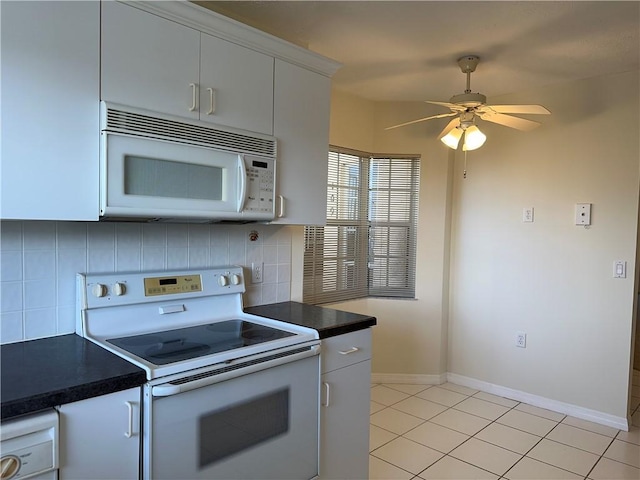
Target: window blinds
[
  {"x": 368, "y": 244},
  {"x": 393, "y": 219}
]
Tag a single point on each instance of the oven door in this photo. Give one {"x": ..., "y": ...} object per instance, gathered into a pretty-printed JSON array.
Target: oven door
[{"x": 262, "y": 425}]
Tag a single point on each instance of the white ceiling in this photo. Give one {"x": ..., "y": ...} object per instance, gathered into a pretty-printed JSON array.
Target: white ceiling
[{"x": 407, "y": 50}]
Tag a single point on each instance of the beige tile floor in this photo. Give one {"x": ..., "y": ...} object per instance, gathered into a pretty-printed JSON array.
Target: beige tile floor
[{"x": 453, "y": 432}]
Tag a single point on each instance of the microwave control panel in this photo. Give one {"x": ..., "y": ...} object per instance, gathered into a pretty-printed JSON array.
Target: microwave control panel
[{"x": 260, "y": 185}]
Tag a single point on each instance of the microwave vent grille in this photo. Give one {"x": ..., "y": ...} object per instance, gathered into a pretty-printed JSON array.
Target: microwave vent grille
[{"x": 131, "y": 123}]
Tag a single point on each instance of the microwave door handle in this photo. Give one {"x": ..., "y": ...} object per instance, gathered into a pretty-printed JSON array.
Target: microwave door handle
[{"x": 242, "y": 182}]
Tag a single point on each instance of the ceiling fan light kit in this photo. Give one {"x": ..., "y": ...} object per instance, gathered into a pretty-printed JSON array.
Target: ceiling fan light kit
[
  {"x": 452, "y": 139},
  {"x": 473, "y": 138},
  {"x": 468, "y": 106}
]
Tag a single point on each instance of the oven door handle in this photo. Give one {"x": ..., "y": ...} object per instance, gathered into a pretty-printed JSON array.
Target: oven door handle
[{"x": 216, "y": 375}]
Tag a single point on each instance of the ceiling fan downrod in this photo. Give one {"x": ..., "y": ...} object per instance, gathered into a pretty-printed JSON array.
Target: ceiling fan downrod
[
  {"x": 467, "y": 99},
  {"x": 468, "y": 64}
]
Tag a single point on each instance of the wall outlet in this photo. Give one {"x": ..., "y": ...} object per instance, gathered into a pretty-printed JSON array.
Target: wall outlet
[
  {"x": 527, "y": 214},
  {"x": 256, "y": 272},
  {"x": 521, "y": 340}
]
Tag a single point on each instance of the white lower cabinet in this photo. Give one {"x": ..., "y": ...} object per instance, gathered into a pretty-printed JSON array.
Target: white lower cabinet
[
  {"x": 100, "y": 437},
  {"x": 344, "y": 410}
]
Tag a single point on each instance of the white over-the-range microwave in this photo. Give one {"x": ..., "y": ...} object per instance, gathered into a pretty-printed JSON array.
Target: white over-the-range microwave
[{"x": 156, "y": 167}]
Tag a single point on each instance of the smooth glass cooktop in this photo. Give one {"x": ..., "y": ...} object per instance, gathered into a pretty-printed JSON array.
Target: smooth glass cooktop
[{"x": 161, "y": 348}]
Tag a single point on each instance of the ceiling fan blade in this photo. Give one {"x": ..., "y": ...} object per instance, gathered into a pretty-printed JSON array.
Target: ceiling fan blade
[
  {"x": 442, "y": 115},
  {"x": 452, "y": 106},
  {"x": 520, "y": 109},
  {"x": 450, "y": 126},
  {"x": 508, "y": 120}
]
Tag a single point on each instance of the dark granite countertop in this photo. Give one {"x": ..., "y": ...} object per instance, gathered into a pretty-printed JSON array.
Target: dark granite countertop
[
  {"x": 43, "y": 373},
  {"x": 327, "y": 321}
]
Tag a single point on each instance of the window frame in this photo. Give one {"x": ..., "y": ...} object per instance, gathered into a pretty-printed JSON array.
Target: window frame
[{"x": 325, "y": 259}]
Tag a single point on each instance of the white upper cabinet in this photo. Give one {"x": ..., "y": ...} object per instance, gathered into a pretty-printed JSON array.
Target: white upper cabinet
[
  {"x": 148, "y": 61},
  {"x": 59, "y": 59},
  {"x": 236, "y": 86},
  {"x": 50, "y": 85},
  {"x": 160, "y": 65},
  {"x": 301, "y": 124}
]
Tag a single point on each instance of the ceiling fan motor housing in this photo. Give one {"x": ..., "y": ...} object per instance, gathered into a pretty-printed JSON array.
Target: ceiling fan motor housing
[{"x": 469, "y": 100}]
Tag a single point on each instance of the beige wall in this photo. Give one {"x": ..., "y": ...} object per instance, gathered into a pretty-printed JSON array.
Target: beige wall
[
  {"x": 410, "y": 340},
  {"x": 551, "y": 278},
  {"x": 351, "y": 123},
  {"x": 484, "y": 275}
]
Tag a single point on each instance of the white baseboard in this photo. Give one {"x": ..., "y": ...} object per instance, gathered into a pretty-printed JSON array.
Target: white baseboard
[
  {"x": 621, "y": 423},
  {"x": 411, "y": 379}
]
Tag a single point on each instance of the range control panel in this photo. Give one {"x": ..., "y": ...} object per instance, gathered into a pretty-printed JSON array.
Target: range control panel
[
  {"x": 102, "y": 290},
  {"x": 170, "y": 285}
]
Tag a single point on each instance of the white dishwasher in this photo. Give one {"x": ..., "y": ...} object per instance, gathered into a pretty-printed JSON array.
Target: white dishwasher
[{"x": 29, "y": 447}]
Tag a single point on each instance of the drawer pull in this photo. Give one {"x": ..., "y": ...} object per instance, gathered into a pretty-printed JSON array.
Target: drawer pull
[{"x": 347, "y": 352}]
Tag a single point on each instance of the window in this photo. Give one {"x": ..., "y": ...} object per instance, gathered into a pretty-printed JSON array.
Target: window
[{"x": 368, "y": 246}]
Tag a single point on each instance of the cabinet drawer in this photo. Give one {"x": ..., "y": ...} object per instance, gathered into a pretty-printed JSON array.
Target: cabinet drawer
[{"x": 347, "y": 349}]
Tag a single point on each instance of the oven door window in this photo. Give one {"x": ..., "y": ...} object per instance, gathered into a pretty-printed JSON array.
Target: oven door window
[
  {"x": 263, "y": 425},
  {"x": 233, "y": 429}
]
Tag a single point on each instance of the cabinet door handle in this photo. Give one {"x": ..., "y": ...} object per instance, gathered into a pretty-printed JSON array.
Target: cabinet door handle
[
  {"x": 327, "y": 394},
  {"x": 347, "y": 352},
  {"x": 280, "y": 206},
  {"x": 194, "y": 96},
  {"x": 129, "y": 432},
  {"x": 212, "y": 101}
]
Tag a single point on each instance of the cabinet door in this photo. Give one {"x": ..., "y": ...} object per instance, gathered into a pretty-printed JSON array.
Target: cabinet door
[
  {"x": 100, "y": 437},
  {"x": 148, "y": 61},
  {"x": 301, "y": 124},
  {"x": 344, "y": 422},
  {"x": 238, "y": 83},
  {"x": 50, "y": 87}
]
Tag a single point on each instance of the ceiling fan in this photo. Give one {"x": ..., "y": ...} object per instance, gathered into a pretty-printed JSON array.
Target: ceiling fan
[{"x": 467, "y": 106}]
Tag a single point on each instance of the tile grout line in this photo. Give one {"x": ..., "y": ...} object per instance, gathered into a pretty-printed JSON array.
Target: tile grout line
[
  {"x": 451, "y": 407},
  {"x": 514, "y": 407}
]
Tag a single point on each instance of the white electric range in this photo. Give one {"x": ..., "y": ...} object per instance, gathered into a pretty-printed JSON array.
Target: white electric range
[{"x": 228, "y": 394}]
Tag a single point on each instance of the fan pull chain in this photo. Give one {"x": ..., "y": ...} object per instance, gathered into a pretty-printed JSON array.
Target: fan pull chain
[{"x": 464, "y": 174}]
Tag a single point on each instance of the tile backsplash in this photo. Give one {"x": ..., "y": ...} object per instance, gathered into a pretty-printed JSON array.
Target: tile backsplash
[{"x": 39, "y": 260}]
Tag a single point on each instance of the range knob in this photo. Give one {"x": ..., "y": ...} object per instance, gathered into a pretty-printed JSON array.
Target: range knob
[
  {"x": 10, "y": 466},
  {"x": 99, "y": 290},
  {"x": 236, "y": 279},
  {"x": 223, "y": 280},
  {"x": 119, "y": 289}
]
